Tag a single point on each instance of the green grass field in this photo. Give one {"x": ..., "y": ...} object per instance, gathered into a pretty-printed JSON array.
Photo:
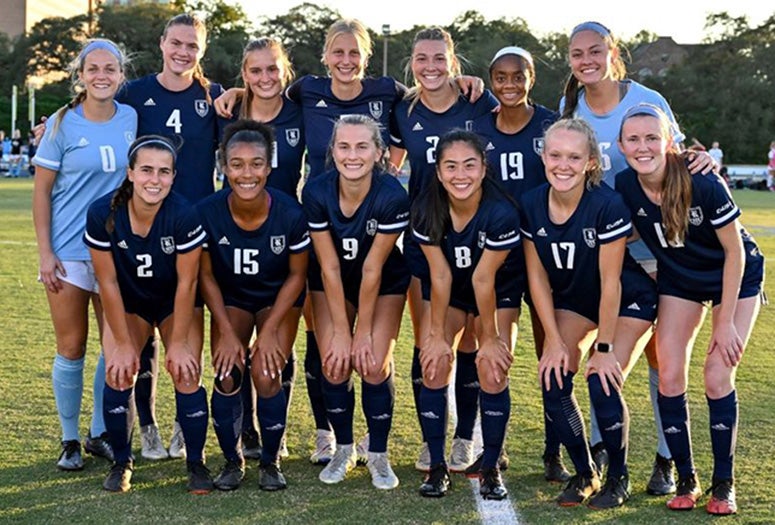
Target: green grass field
[{"x": 33, "y": 491}]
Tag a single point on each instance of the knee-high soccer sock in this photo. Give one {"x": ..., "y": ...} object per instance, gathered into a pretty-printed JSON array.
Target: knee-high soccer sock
[
  {"x": 67, "y": 379},
  {"x": 377, "y": 401},
  {"x": 675, "y": 422},
  {"x": 433, "y": 417},
  {"x": 248, "y": 400},
  {"x": 466, "y": 394},
  {"x": 272, "y": 420},
  {"x": 613, "y": 418},
  {"x": 495, "y": 412},
  {"x": 119, "y": 413},
  {"x": 145, "y": 387},
  {"x": 662, "y": 448},
  {"x": 594, "y": 429},
  {"x": 288, "y": 377},
  {"x": 723, "y": 434},
  {"x": 97, "y": 418},
  {"x": 227, "y": 422},
  {"x": 192, "y": 416},
  {"x": 551, "y": 439},
  {"x": 313, "y": 369},
  {"x": 564, "y": 414},
  {"x": 340, "y": 404},
  {"x": 417, "y": 385}
]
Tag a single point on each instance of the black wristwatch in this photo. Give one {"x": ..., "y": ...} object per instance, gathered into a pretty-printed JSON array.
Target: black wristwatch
[{"x": 604, "y": 348}]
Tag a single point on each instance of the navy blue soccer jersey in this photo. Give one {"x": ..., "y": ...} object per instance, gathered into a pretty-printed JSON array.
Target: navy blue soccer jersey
[
  {"x": 418, "y": 131},
  {"x": 288, "y": 147},
  {"x": 570, "y": 252},
  {"x": 697, "y": 264},
  {"x": 251, "y": 266},
  {"x": 385, "y": 209},
  {"x": 321, "y": 109},
  {"x": 494, "y": 226},
  {"x": 179, "y": 114},
  {"x": 515, "y": 159},
  {"x": 145, "y": 266}
]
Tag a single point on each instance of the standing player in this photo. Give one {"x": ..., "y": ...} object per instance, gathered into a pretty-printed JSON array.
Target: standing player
[
  {"x": 80, "y": 158},
  {"x": 432, "y": 107},
  {"x": 253, "y": 273},
  {"x": 690, "y": 223},
  {"x": 145, "y": 243},
  {"x": 467, "y": 229},
  {"x": 585, "y": 289},
  {"x": 356, "y": 213}
]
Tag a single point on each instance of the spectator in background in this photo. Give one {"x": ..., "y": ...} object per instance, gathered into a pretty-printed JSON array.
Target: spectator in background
[
  {"x": 716, "y": 153},
  {"x": 16, "y": 154},
  {"x": 771, "y": 167}
]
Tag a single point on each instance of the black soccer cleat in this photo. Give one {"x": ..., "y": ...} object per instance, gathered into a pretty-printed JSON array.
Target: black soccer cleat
[{"x": 436, "y": 483}]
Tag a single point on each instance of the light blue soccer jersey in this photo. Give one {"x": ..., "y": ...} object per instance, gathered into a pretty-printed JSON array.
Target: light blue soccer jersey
[
  {"x": 90, "y": 159},
  {"x": 607, "y": 126}
]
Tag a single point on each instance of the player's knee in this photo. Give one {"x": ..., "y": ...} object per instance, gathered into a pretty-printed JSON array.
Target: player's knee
[{"x": 230, "y": 384}]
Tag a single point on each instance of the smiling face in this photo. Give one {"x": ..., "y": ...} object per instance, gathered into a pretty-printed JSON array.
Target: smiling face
[
  {"x": 345, "y": 59},
  {"x": 101, "y": 74},
  {"x": 461, "y": 170},
  {"x": 182, "y": 47},
  {"x": 591, "y": 57},
  {"x": 511, "y": 79},
  {"x": 567, "y": 159},
  {"x": 263, "y": 73},
  {"x": 247, "y": 169},
  {"x": 644, "y": 144},
  {"x": 431, "y": 64},
  {"x": 152, "y": 175},
  {"x": 354, "y": 151}
]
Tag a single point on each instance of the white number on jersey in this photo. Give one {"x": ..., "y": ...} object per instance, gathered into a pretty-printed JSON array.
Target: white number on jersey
[
  {"x": 144, "y": 269},
  {"x": 661, "y": 236},
  {"x": 430, "y": 153},
  {"x": 462, "y": 256},
  {"x": 108, "y": 157},
  {"x": 174, "y": 121},
  {"x": 570, "y": 251},
  {"x": 246, "y": 261},
  {"x": 274, "y": 154},
  {"x": 511, "y": 166},
  {"x": 605, "y": 159},
  {"x": 350, "y": 246}
]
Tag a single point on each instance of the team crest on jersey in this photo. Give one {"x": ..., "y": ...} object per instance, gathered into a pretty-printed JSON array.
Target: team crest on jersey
[
  {"x": 375, "y": 108},
  {"x": 371, "y": 227},
  {"x": 278, "y": 243},
  {"x": 292, "y": 136},
  {"x": 168, "y": 245},
  {"x": 482, "y": 239},
  {"x": 695, "y": 216},
  {"x": 538, "y": 145},
  {"x": 202, "y": 107},
  {"x": 129, "y": 136},
  {"x": 590, "y": 237}
]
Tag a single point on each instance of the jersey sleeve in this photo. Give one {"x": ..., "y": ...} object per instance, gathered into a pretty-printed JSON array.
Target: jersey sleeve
[
  {"x": 96, "y": 233},
  {"x": 52, "y": 147},
  {"x": 503, "y": 231},
  {"x": 294, "y": 91},
  {"x": 717, "y": 201},
  {"x": 189, "y": 234},
  {"x": 614, "y": 221},
  {"x": 393, "y": 214},
  {"x": 395, "y": 130},
  {"x": 299, "y": 240},
  {"x": 314, "y": 208},
  {"x": 525, "y": 226}
]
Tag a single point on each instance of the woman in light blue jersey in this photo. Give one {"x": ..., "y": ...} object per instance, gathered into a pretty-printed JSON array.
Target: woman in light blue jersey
[{"x": 81, "y": 157}]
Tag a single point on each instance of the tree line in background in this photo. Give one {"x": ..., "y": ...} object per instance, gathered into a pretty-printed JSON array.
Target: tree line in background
[{"x": 724, "y": 90}]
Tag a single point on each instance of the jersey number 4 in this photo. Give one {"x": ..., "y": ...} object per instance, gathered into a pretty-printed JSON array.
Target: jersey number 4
[{"x": 174, "y": 121}]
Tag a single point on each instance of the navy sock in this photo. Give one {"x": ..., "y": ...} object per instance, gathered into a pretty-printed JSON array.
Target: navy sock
[
  {"x": 227, "y": 422},
  {"x": 433, "y": 416},
  {"x": 67, "y": 380},
  {"x": 340, "y": 404},
  {"x": 272, "y": 420},
  {"x": 675, "y": 422},
  {"x": 377, "y": 401},
  {"x": 563, "y": 412},
  {"x": 247, "y": 393},
  {"x": 495, "y": 412},
  {"x": 417, "y": 385},
  {"x": 551, "y": 439},
  {"x": 313, "y": 369},
  {"x": 119, "y": 413},
  {"x": 288, "y": 377},
  {"x": 723, "y": 434},
  {"x": 466, "y": 394},
  {"x": 613, "y": 419},
  {"x": 192, "y": 416},
  {"x": 145, "y": 386}
]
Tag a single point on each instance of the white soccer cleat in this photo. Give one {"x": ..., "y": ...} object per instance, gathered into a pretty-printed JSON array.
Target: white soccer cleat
[
  {"x": 325, "y": 447},
  {"x": 461, "y": 455},
  {"x": 152, "y": 447},
  {"x": 177, "y": 442},
  {"x": 382, "y": 475},
  {"x": 423, "y": 463},
  {"x": 362, "y": 450},
  {"x": 343, "y": 462}
]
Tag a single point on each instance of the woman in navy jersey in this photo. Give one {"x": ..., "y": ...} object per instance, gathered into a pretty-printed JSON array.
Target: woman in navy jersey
[
  {"x": 266, "y": 72},
  {"x": 690, "y": 223},
  {"x": 586, "y": 289},
  {"x": 467, "y": 229},
  {"x": 81, "y": 157},
  {"x": 145, "y": 242},
  {"x": 433, "y": 106},
  {"x": 253, "y": 272},
  {"x": 356, "y": 213}
]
